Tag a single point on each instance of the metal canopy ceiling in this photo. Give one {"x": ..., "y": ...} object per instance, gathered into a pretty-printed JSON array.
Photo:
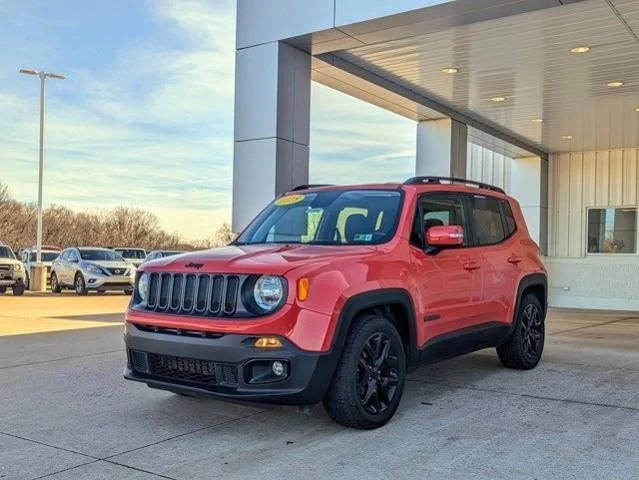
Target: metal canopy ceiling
[{"x": 525, "y": 59}]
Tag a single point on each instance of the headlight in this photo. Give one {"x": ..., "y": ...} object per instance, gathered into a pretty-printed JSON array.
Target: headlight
[
  {"x": 89, "y": 267},
  {"x": 143, "y": 286},
  {"x": 17, "y": 267},
  {"x": 268, "y": 292}
]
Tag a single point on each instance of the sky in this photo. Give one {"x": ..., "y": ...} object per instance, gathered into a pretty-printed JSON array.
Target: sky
[{"x": 145, "y": 116}]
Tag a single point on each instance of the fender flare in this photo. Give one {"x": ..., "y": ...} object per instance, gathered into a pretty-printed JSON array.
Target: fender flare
[
  {"x": 531, "y": 280},
  {"x": 376, "y": 298}
]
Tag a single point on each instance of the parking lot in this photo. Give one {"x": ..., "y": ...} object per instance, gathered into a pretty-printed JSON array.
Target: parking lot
[{"x": 67, "y": 413}]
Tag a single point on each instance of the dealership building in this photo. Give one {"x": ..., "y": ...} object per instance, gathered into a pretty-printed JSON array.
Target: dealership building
[{"x": 539, "y": 97}]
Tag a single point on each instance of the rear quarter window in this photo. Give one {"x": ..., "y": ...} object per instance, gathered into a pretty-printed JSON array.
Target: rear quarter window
[{"x": 487, "y": 220}]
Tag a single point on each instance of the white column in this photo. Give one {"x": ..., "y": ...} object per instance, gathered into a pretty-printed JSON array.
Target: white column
[
  {"x": 441, "y": 148},
  {"x": 272, "y": 124},
  {"x": 529, "y": 185}
]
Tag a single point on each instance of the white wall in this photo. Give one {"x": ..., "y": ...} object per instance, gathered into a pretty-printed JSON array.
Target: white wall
[
  {"x": 484, "y": 165},
  {"x": 578, "y": 181}
]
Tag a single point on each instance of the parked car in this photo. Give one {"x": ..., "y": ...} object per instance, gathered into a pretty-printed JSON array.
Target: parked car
[
  {"x": 134, "y": 255},
  {"x": 91, "y": 268},
  {"x": 155, "y": 254},
  {"x": 12, "y": 272},
  {"x": 29, "y": 256},
  {"x": 333, "y": 294}
]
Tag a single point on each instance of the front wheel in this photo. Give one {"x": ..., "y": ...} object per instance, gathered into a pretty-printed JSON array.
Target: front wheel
[
  {"x": 55, "y": 285},
  {"x": 3, "y": 290},
  {"x": 369, "y": 379},
  {"x": 523, "y": 349},
  {"x": 18, "y": 289},
  {"x": 80, "y": 286}
]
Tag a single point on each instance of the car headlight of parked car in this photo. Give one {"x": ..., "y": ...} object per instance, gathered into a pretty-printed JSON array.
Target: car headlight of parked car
[
  {"x": 89, "y": 267},
  {"x": 269, "y": 292},
  {"x": 17, "y": 267},
  {"x": 143, "y": 286}
]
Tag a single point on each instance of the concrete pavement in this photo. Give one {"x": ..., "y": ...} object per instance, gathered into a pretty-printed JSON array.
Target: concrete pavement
[{"x": 66, "y": 412}]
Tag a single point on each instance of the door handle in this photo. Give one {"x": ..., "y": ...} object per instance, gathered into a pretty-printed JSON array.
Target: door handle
[
  {"x": 514, "y": 259},
  {"x": 471, "y": 266}
]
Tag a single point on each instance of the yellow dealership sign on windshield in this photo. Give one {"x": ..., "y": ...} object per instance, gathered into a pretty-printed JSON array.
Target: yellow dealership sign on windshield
[{"x": 289, "y": 200}]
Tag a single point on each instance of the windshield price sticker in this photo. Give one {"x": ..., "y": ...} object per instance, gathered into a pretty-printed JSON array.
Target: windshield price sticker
[{"x": 289, "y": 200}]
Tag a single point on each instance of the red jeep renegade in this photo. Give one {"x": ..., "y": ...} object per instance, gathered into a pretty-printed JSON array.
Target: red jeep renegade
[{"x": 332, "y": 294}]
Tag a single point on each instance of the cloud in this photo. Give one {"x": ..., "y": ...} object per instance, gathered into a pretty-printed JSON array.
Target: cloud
[{"x": 151, "y": 124}]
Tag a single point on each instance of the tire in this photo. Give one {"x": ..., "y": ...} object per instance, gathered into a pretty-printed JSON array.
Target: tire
[
  {"x": 27, "y": 282},
  {"x": 372, "y": 341},
  {"x": 18, "y": 289},
  {"x": 523, "y": 350},
  {"x": 79, "y": 285},
  {"x": 55, "y": 285},
  {"x": 128, "y": 291},
  {"x": 3, "y": 290}
]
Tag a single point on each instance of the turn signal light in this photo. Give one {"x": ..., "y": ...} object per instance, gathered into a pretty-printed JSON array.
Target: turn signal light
[
  {"x": 302, "y": 289},
  {"x": 268, "y": 342}
]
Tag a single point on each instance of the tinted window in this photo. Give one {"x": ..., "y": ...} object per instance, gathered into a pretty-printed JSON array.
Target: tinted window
[
  {"x": 511, "y": 226},
  {"x": 72, "y": 256},
  {"x": 6, "y": 252},
  {"x": 134, "y": 253},
  {"x": 440, "y": 209},
  {"x": 487, "y": 222}
]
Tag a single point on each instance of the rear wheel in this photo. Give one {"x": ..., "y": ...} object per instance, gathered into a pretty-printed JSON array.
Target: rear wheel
[
  {"x": 55, "y": 285},
  {"x": 523, "y": 349},
  {"x": 3, "y": 290},
  {"x": 27, "y": 282},
  {"x": 18, "y": 289},
  {"x": 80, "y": 286},
  {"x": 369, "y": 379}
]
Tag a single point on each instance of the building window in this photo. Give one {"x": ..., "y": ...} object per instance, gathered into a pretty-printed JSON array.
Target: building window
[{"x": 612, "y": 230}]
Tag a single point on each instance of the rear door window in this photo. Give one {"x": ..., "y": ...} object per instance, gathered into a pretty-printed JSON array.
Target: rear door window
[
  {"x": 509, "y": 218},
  {"x": 487, "y": 220}
]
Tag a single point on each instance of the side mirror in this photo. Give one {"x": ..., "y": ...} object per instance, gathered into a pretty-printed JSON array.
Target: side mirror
[{"x": 446, "y": 236}]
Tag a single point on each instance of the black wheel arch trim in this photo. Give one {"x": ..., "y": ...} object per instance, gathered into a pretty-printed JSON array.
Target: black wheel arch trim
[
  {"x": 377, "y": 298},
  {"x": 531, "y": 280}
]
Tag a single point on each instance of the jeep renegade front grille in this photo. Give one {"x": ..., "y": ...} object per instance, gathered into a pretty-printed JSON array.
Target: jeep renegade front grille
[
  {"x": 183, "y": 369},
  {"x": 193, "y": 294}
]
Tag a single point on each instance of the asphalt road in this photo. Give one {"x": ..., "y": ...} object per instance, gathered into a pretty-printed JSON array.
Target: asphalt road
[{"x": 67, "y": 413}]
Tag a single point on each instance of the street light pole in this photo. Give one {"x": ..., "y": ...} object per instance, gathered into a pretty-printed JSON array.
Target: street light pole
[
  {"x": 43, "y": 76},
  {"x": 40, "y": 171}
]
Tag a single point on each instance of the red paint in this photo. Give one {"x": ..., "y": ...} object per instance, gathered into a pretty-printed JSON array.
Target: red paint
[{"x": 456, "y": 288}]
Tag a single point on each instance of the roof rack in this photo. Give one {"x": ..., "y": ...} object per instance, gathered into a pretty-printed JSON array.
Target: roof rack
[
  {"x": 306, "y": 187},
  {"x": 451, "y": 180}
]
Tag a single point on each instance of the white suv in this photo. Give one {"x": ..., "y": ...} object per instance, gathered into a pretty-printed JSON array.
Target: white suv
[
  {"x": 12, "y": 272},
  {"x": 91, "y": 268},
  {"x": 29, "y": 255}
]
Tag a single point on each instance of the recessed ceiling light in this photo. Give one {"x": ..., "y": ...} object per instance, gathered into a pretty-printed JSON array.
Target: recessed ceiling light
[
  {"x": 637, "y": 109},
  {"x": 566, "y": 137},
  {"x": 498, "y": 99},
  {"x": 616, "y": 83},
  {"x": 450, "y": 70},
  {"x": 582, "y": 49},
  {"x": 537, "y": 120}
]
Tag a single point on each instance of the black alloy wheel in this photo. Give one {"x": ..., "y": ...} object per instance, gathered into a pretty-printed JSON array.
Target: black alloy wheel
[
  {"x": 525, "y": 345},
  {"x": 377, "y": 374}
]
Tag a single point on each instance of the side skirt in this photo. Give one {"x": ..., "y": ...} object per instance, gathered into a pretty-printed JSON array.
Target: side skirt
[{"x": 460, "y": 342}]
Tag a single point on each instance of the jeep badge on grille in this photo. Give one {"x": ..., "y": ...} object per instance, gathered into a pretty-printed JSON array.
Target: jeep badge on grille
[{"x": 197, "y": 266}]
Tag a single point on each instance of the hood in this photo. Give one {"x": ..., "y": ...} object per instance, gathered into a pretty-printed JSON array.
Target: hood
[
  {"x": 9, "y": 261},
  {"x": 109, "y": 263},
  {"x": 264, "y": 259}
]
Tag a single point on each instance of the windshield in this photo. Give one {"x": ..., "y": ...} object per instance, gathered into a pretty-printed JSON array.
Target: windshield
[
  {"x": 100, "y": 255},
  {"x": 6, "y": 252},
  {"x": 170, "y": 254},
  {"x": 46, "y": 256},
  {"x": 329, "y": 217},
  {"x": 131, "y": 253}
]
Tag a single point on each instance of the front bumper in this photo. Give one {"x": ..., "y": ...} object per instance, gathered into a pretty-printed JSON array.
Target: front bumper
[
  {"x": 102, "y": 282},
  {"x": 227, "y": 358}
]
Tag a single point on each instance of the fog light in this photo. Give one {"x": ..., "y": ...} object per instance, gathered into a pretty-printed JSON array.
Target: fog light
[
  {"x": 268, "y": 342},
  {"x": 278, "y": 368}
]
